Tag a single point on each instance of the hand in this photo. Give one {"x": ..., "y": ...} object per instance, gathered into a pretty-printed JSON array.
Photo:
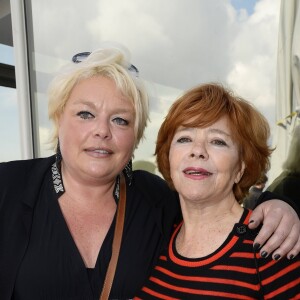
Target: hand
[{"x": 280, "y": 231}]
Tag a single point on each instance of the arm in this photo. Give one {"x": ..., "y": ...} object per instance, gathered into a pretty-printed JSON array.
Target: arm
[{"x": 280, "y": 232}]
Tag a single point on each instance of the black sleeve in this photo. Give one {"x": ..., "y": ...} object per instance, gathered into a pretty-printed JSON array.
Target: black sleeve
[
  {"x": 163, "y": 200},
  {"x": 265, "y": 196}
]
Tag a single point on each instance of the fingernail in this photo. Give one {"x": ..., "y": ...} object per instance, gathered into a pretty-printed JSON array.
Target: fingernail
[
  {"x": 251, "y": 221},
  {"x": 277, "y": 256},
  {"x": 291, "y": 256},
  {"x": 256, "y": 246},
  {"x": 264, "y": 254}
]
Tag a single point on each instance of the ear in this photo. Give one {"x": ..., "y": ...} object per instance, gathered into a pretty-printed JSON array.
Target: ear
[
  {"x": 59, "y": 119},
  {"x": 240, "y": 173}
]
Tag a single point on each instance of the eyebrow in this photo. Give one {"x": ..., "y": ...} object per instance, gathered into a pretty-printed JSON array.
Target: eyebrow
[
  {"x": 93, "y": 106},
  {"x": 84, "y": 102},
  {"x": 215, "y": 130},
  {"x": 211, "y": 130}
]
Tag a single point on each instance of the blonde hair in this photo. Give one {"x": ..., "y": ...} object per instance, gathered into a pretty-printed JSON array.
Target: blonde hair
[{"x": 113, "y": 63}]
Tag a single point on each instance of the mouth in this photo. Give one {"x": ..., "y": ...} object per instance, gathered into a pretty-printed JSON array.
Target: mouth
[
  {"x": 99, "y": 151},
  {"x": 197, "y": 172}
]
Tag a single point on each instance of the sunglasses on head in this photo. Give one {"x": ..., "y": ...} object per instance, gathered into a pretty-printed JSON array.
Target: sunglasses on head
[{"x": 79, "y": 57}]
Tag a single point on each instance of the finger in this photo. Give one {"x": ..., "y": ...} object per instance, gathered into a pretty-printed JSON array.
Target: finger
[
  {"x": 287, "y": 246},
  {"x": 271, "y": 235},
  {"x": 295, "y": 251},
  {"x": 256, "y": 217},
  {"x": 287, "y": 233}
]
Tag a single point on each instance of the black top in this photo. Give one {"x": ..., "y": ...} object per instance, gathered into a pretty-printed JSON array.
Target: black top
[
  {"x": 250, "y": 200},
  {"x": 52, "y": 267},
  {"x": 48, "y": 265},
  {"x": 38, "y": 257},
  {"x": 287, "y": 184}
]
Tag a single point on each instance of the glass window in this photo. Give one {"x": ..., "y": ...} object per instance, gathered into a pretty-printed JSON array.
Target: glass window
[
  {"x": 175, "y": 44},
  {"x": 6, "y": 56},
  {"x": 9, "y": 123},
  {"x": 9, "y": 115}
]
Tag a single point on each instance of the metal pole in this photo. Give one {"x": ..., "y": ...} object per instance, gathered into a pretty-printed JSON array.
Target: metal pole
[{"x": 22, "y": 77}]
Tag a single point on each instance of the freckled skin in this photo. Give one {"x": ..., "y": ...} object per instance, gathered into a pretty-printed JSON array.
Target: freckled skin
[{"x": 211, "y": 161}]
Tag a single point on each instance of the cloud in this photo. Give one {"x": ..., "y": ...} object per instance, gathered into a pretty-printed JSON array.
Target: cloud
[
  {"x": 175, "y": 44},
  {"x": 190, "y": 42},
  {"x": 254, "y": 56}
]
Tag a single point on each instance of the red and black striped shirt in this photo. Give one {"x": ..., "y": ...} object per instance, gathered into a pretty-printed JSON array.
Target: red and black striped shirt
[{"x": 233, "y": 271}]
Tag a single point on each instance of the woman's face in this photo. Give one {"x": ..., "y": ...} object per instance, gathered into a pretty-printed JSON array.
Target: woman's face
[
  {"x": 96, "y": 130},
  {"x": 204, "y": 162}
]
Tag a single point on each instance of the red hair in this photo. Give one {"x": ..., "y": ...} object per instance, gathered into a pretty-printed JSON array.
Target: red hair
[{"x": 203, "y": 106}]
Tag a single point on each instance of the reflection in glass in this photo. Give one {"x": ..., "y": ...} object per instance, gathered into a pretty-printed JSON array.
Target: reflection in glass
[{"x": 9, "y": 124}]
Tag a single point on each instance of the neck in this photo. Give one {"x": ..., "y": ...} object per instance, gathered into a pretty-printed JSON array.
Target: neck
[
  {"x": 207, "y": 210},
  {"x": 205, "y": 227},
  {"x": 84, "y": 193}
]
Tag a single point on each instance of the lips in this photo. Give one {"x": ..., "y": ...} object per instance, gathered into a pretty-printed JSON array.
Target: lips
[
  {"x": 196, "y": 172},
  {"x": 99, "y": 150}
]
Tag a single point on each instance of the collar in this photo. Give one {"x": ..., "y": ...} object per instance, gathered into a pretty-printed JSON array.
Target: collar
[{"x": 59, "y": 185}]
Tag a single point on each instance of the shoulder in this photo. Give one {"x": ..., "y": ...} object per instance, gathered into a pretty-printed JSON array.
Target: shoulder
[
  {"x": 292, "y": 179},
  {"x": 148, "y": 179},
  {"x": 152, "y": 186},
  {"x": 22, "y": 177},
  {"x": 156, "y": 194},
  {"x": 285, "y": 184},
  {"x": 27, "y": 163},
  {"x": 21, "y": 168}
]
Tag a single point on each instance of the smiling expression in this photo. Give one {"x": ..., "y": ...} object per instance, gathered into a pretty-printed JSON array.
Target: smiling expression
[
  {"x": 96, "y": 130},
  {"x": 204, "y": 162}
]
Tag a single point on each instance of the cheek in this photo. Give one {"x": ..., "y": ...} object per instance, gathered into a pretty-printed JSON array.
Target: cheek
[
  {"x": 64, "y": 125},
  {"x": 234, "y": 170},
  {"x": 174, "y": 161},
  {"x": 227, "y": 164},
  {"x": 72, "y": 134},
  {"x": 69, "y": 132},
  {"x": 171, "y": 159},
  {"x": 126, "y": 141}
]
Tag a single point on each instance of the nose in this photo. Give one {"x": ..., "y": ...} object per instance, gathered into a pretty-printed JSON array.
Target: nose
[
  {"x": 202, "y": 156},
  {"x": 102, "y": 130},
  {"x": 199, "y": 151}
]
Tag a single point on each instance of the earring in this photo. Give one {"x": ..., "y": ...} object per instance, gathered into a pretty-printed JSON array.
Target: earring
[
  {"x": 128, "y": 171},
  {"x": 58, "y": 156}
]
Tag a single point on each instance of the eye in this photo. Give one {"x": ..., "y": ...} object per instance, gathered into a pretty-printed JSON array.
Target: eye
[
  {"x": 183, "y": 140},
  {"x": 85, "y": 115},
  {"x": 219, "y": 142},
  {"x": 120, "y": 121}
]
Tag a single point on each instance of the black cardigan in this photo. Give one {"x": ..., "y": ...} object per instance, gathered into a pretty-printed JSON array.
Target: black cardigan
[
  {"x": 149, "y": 201},
  {"x": 19, "y": 187}
]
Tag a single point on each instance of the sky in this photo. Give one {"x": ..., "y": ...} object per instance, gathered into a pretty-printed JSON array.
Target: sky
[
  {"x": 247, "y": 5},
  {"x": 175, "y": 44}
]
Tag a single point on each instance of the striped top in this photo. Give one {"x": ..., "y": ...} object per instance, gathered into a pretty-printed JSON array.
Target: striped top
[{"x": 233, "y": 271}]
